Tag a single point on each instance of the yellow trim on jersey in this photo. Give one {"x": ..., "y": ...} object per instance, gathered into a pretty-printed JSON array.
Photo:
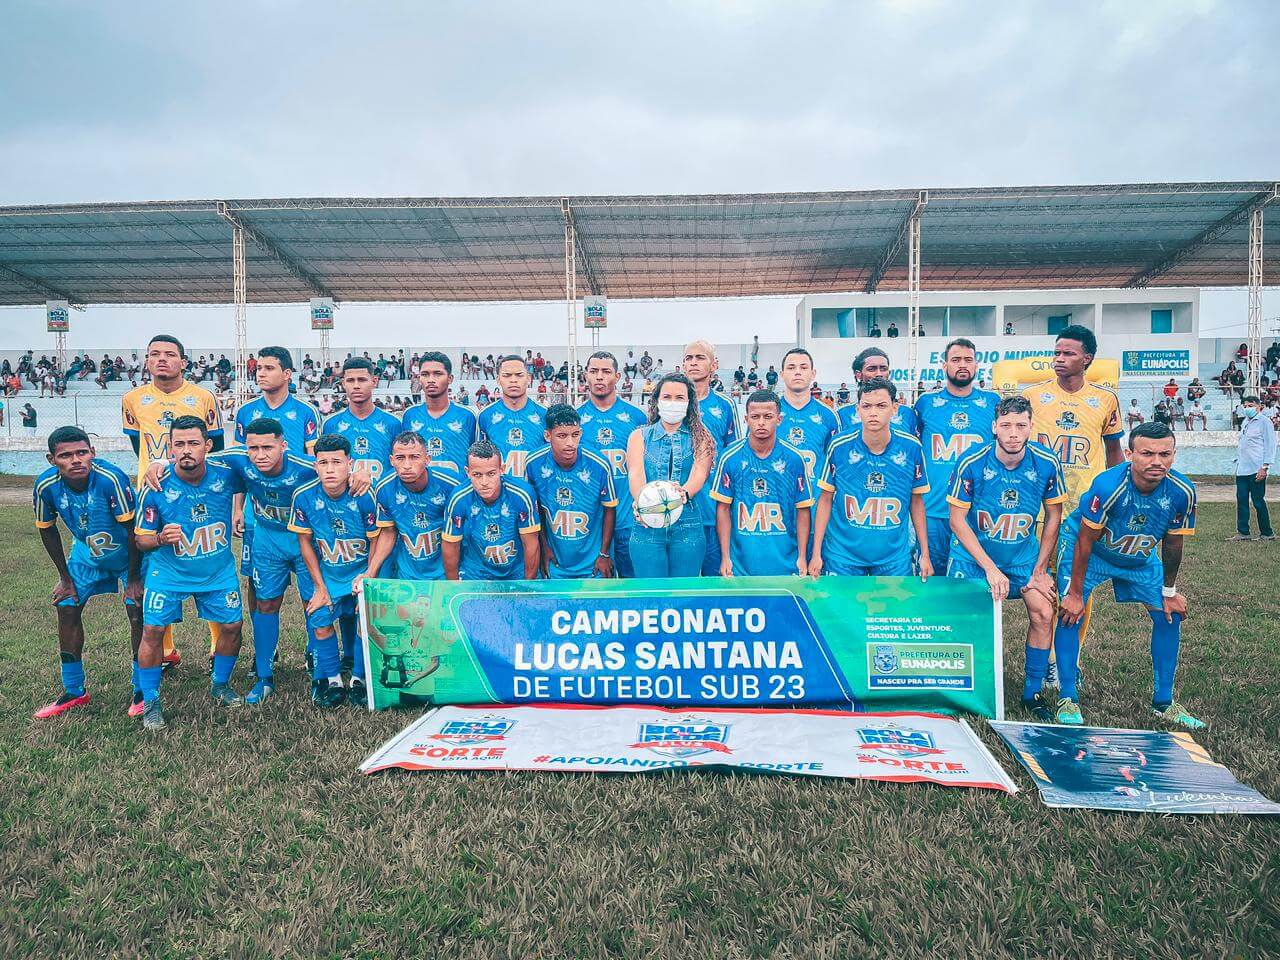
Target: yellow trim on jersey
[
  {"x": 1092, "y": 525},
  {"x": 450, "y": 539},
  {"x": 959, "y": 503}
]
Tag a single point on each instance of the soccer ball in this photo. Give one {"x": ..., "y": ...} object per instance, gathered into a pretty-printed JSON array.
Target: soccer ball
[{"x": 660, "y": 504}]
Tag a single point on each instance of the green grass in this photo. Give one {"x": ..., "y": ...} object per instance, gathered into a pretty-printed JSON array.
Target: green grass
[{"x": 249, "y": 833}]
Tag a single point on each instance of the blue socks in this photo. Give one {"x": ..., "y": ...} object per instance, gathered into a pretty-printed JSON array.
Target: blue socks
[
  {"x": 350, "y": 625},
  {"x": 222, "y": 667},
  {"x": 72, "y": 676},
  {"x": 1165, "y": 639},
  {"x": 266, "y": 637},
  {"x": 327, "y": 662},
  {"x": 137, "y": 681},
  {"x": 149, "y": 682},
  {"x": 1066, "y": 644},
  {"x": 1037, "y": 668}
]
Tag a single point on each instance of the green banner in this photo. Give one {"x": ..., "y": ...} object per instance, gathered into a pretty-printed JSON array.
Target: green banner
[{"x": 863, "y": 643}]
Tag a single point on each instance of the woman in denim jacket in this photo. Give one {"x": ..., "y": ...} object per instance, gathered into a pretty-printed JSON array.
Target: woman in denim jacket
[{"x": 674, "y": 446}]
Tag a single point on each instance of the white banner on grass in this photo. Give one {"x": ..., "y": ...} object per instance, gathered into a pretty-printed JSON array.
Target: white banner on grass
[{"x": 900, "y": 747}]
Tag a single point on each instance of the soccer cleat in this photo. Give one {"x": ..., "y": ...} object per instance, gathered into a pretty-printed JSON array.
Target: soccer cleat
[
  {"x": 62, "y": 705},
  {"x": 1068, "y": 713},
  {"x": 357, "y": 694},
  {"x": 171, "y": 660},
  {"x": 1038, "y": 709},
  {"x": 224, "y": 695},
  {"x": 261, "y": 691},
  {"x": 136, "y": 708},
  {"x": 328, "y": 696},
  {"x": 1176, "y": 714},
  {"x": 1239, "y": 538},
  {"x": 311, "y": 663},
  {"x": 1051, "y": 676},
  {"x": 153, "y": 716}
]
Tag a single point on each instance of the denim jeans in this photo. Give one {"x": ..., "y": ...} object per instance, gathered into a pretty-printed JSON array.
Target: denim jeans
[
  {"x": 1248, "y": 488},
  {"x": 670, "y": 552}
]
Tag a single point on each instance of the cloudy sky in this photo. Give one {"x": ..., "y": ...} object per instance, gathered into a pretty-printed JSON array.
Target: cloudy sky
[{"x": 134, "y": 101}]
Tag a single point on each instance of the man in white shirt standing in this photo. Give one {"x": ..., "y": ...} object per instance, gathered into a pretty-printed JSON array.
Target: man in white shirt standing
[{"x": 1256, "y": 453}]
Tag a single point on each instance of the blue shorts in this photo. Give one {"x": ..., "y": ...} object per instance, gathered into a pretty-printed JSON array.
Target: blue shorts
[
  {"x": 894, "y": 568},
  {"x": 1131, "y": 584},
  {"x": 622, "y": 554},
  {"x": 711, "y": 559},
  {"x": 270, "y": 569},
  {"x": 939, "y": 533},
  {"x": 246, "y": 553},
  {"x": 161, "y": 608},
  {"x": 90, "y": 579},
  {"x": 328, "y": 616},
  {"x": 964, "y": 569}
]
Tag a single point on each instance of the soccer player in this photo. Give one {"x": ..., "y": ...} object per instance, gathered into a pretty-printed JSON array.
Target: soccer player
[
  {"x": 336, "y": 531},
  {"x": 951, "y": 420},
  {"x": 515, "y": 424},
  {"x": 410, "y": 513},
  {"x": 996, "y": 493},
  {"x": 872, "y": 480},
  {"x": 763, "y": 498},
  {"x": 607, "y": 424},
  {"x": 270, "y": 475},
  {"x": 186, "y": 529},
  {"x": 575, "y": 492},
  {"x": 491, "y": 524},
  {"x": 1079, "y": 421},
  {"x": 720, "y": 418},
  {"x": 95, "y": 503},
  {"x": 448, "y": 429},
  {"x": 806, "y": 423},
  {"x": 148, "y": 412},
  {"x": 367, "y": 427},
  {"x": 1125, "y": 513},
  {"x": 872, "y": 364}
]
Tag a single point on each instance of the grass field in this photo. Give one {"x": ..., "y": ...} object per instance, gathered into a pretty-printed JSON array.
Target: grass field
[{"x": 249, "y": 833}]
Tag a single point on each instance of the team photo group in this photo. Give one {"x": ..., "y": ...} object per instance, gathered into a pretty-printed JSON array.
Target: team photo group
[{"x": 1038, "y": 495}]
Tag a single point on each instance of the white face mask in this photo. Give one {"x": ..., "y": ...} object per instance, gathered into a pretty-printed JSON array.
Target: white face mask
[{"x": 672, "y": 411}]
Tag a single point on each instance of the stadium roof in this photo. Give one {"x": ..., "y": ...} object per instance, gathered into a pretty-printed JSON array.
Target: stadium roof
[{"x": 513, "y": 248}]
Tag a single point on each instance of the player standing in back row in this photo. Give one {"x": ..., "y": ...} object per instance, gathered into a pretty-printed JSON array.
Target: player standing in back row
[
  {"x": 720, "y": 418},
  {"x": 951, "y": 420}
]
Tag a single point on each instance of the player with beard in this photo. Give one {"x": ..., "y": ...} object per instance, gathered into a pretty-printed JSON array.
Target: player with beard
[
  {"x": 951, "y": 420},
  {"x": 720, "y": 419}
]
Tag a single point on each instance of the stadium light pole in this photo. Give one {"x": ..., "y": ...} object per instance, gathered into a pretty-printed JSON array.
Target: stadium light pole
[
  {"x": 571, "y": 299},
  {"x": 241, "y": 386},
  {"x": 913, "y": 292},
  {"x": 1255, "y": 301}
]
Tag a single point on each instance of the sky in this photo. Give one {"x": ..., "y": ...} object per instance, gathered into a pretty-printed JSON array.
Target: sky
[{"x": 139, "y": 101}]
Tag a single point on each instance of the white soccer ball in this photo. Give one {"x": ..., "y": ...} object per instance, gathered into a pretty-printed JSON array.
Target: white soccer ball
[{"x": 659, "y": 504}]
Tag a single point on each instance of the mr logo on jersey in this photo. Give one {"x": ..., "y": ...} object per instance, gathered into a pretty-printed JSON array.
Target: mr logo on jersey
[{"x": 680, "y": 740}]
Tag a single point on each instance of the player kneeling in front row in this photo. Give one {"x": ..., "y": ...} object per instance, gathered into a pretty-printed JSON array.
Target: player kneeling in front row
[
  {"x": 763, "y": 498},
  {"x": 185, "y": 528},
  {"x": 575, "y": 492},
  {"x": 336, "y": 531},
  {"x": 491, "y": 524},
  {"x": 1127, "y": 512},
  {"x": 996, "y": 493},
  {"x": 872, "y": 482},
  {"x": 94, "y": 501}
]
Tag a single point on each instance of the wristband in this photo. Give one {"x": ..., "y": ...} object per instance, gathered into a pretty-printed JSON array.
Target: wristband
[
  {"x": 607, "y": 556},
  {"x": 1169, "y": 591}
]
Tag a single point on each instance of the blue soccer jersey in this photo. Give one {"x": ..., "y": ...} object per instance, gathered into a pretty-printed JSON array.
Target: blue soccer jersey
[
  {"x": 299, "y": 419},
  {"x": 572, "y": 501},
  {"x": 809, "y": 429},
  {"x": 516, "y": 433},
  {"x": 871, "y": 502},
  {"x": 370, "y": 438},
  {"x": 720, "y": 417},
  {"x": 605, "y": 433},
  {"x": 97, "y": 517},
  {"x": 447, "y": 436},
  {"x": 202, "y": 560},
  {"x": 490, "y": 532},
  {"x": 904, "y": 419},
  {"x": 340, "y": 529},
  {"x": 1003, "y": 503},
  {"x": 763, "y": 494},
  {"x": 948, "y": 426},
  {"x": 1133, "y": 523},
  {"x": 416, "y": 520}
]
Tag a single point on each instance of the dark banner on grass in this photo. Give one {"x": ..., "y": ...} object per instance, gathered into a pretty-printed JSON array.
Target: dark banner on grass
[
  {"x": 1140, "y": 770},
  {"x": 881, "y": 643}
]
